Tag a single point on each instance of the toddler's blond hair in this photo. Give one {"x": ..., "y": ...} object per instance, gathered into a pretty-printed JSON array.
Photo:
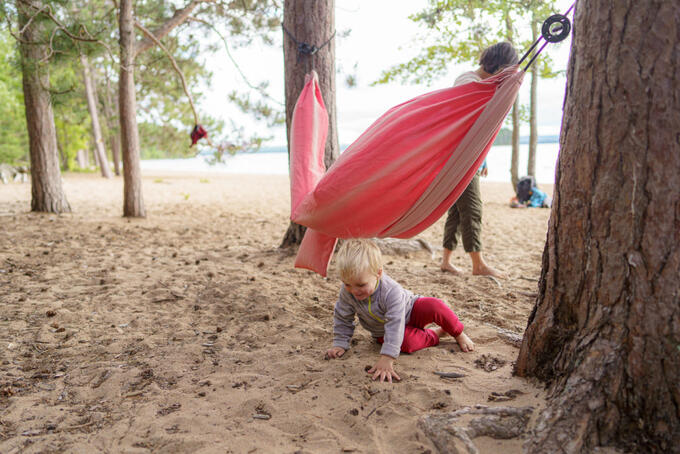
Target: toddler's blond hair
[{"x": 356, "y": 256}]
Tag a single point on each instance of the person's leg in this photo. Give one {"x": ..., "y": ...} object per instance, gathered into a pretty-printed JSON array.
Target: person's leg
[
  {"x": 418, "y": 338},
  {"x": 450, "y": 240},
  {"x": 470, "y": 208},
  {"x": 428, "y": 310},
  {"x": 433, "y": 310}
]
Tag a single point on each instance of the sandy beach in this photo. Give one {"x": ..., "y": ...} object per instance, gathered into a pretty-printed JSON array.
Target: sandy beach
[{"x": 190, "y": 331}]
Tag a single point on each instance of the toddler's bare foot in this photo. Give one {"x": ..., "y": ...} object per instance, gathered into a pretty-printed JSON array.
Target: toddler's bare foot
[
  {"x": 465, "y": 342},
  {"x": 449, "y": 268},
  {"x": 486, "y": 270}
]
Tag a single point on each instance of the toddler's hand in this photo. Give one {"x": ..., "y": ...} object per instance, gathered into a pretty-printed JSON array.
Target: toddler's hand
[
  {"x": 335, "y": 352},
  {"x": 465, "y": 342},
  {"x": 383, "y": 369}
]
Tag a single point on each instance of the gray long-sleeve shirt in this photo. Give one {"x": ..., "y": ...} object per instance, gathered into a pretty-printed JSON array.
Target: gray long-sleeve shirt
[{"x": 390, "y": 302}]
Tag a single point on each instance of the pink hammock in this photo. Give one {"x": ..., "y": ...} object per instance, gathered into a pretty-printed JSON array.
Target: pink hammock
[{"x": 401, "y": 174}]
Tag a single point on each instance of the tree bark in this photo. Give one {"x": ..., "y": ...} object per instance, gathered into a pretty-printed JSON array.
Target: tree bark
[
  {"x": 514, "y": 158},
  {"x": 99, "y": 150},
  {"x": 311, "y": 22},
  {"x": 133, "y": 201},
  {"x": 113, "y": 129},
  {"x": 533, "y": 103},
  {"x": 605, "y": 331},
  {"x": 47, "y": 193}
]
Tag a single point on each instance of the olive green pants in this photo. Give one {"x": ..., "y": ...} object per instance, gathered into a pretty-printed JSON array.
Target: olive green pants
[{"x": 465, "y": 218}]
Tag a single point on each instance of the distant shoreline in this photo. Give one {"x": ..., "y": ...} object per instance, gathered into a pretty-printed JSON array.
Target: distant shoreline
[{"x": 523, "y": 140}]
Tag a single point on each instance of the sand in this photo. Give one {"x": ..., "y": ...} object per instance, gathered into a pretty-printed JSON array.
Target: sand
[{"x": 190, "y": 330}]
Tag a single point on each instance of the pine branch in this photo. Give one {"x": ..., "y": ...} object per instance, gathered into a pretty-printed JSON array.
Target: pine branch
[
  {"x": 178, "y": 18},
  {"x": 155, "y": 41}
]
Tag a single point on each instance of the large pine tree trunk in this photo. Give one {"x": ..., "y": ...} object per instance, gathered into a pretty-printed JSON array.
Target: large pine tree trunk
[
  {"x": 99, "y": 150},
  {"x": 47, "y": 193},
  {"x": 133, "y": 201},
  {"x": 311, "y": 22},
  {"x": 605, "y": 332}
]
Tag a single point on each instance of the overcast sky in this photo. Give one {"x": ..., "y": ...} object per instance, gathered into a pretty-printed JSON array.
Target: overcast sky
[{"x": 381, "y": 36}]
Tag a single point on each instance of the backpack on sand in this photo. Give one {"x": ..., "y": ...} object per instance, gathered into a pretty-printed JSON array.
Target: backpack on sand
[{"x": 523, "y": 189}]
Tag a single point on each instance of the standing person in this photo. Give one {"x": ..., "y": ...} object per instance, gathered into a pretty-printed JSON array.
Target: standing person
[
  {"x": 395, "y": 317},
  {"x": 465, "y": 216}
]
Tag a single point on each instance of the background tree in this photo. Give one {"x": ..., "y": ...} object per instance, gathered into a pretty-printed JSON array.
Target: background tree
[
  {"x": 605, "y": 331},
  {"x": 47, "y": 193},
  {"x": 92, "y": 107},
  {"x": 238, "y": 16},
  {"x": 310, "y": 23}
]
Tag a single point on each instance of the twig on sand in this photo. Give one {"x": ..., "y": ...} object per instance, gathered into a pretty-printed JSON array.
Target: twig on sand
[
  {"x": 498, "y": 283},
  {"x": 449, "y": 374}
]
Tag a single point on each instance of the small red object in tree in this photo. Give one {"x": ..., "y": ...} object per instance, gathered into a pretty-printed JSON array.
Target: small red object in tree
[{"x": 197, "y": 134}]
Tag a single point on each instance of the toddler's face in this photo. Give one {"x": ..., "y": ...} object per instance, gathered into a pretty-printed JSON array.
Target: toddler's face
[{"x": 363, "y": 285}]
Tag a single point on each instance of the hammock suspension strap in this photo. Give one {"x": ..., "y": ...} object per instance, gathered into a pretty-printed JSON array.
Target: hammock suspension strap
[{"x": 305, "y": 48}]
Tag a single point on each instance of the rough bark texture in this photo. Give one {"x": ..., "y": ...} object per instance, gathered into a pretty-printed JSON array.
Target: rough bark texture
[
  {"x": 311, "y": 22},
  {"x": 47, "y": 193},
  {"x": 99, "y": 150},
  {"x": 133, "y": 201},
  {"x": 605, "y": 332}
]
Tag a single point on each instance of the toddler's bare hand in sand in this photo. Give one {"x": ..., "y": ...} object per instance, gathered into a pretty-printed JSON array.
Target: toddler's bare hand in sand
[
  {"x": 383, "y": 369},
  {"x": 335, "y": 352},
  {"x": 465, "y": 342}
]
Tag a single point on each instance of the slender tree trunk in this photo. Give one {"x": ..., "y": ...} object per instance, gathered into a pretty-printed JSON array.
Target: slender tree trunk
[
  {"x": 311, "y": 22},
  {"x": 133, "y": 201},
  {"x": 533, "y": 112},
  {"x": 514, "y": 160},
  {"x": 47, "y": 193},
  {"x": 605, "y": 331},
  {"x": 99, "y": 150},
  {"x": 113, "y": 129}
]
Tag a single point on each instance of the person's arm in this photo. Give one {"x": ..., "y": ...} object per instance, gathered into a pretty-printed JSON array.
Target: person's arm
[
  {"x": 394, "y": 324},
  {"x": 343, "y": 326},
  {"x": 395, "y": 305}
]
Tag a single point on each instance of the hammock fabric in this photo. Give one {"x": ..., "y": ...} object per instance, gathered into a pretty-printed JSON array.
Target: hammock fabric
[{"x": 401, "y": 174}]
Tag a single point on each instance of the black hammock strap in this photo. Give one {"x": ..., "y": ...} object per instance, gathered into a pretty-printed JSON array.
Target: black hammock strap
[{"x": 305, "y": 48}]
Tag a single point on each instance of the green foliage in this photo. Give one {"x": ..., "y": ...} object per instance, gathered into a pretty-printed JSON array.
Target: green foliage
[
  {"x": 13, "y": 134},
  {"x": 456, "y": 31},
  {"x": 164, "y": 113}
]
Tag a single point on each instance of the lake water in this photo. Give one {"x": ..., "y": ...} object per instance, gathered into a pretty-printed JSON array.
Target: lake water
[{"x": 274, "y": 161}]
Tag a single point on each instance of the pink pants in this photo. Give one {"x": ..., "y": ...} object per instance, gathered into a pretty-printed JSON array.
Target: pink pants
[{"x": 424, "y": 312}]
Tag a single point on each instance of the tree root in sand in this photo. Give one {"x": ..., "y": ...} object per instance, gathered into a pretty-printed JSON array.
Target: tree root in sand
[{"x": 451, "y": 436}]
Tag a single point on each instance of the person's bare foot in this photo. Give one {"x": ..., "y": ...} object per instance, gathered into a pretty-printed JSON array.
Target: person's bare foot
[
  {"x": 449, "y": 268},
  {"x": 486, "y": 270},
  {"x": 465, "y": 342}
]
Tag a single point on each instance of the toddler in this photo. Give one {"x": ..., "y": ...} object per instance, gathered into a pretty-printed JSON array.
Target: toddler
[{"x": 394, "y": 316}]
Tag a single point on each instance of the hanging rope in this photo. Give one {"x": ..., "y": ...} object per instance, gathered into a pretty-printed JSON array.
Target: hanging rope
[
  {"x": 305, "y": 48},
  {"x": 556, "y": 28}
]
